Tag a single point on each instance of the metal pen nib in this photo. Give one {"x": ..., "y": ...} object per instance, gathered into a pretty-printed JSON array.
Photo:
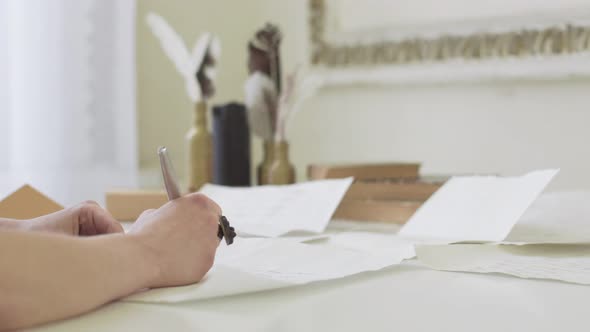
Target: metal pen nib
[{"x": 168, "y": 174}]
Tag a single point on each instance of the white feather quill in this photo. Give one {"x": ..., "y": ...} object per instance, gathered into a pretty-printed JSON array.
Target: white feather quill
[
  {"x": 299, "y": 86},
  {"x": 187, "y": 64},
  {"x": 261, "y": 99}
]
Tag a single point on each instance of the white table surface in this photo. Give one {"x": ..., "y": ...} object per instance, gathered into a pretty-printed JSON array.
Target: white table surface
[{"x": 400, "y": 298}]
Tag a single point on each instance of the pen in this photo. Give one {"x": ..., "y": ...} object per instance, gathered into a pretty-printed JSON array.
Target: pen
[
  {"x": 225, "y": 230},
  {"x": 168, "y": 174}
]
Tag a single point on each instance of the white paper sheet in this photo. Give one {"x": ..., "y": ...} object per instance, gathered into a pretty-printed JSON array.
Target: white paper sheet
[
  {"x": 558, "y": 217},
  {"x": 389, "y": 246},
  {"x": 257, "y": 264},
  {"x": 570, "y": 263},
  {"x": 276, "y": 210},
  {"x": 476, "y": 208},
  {"x": 220, "y": 281}
]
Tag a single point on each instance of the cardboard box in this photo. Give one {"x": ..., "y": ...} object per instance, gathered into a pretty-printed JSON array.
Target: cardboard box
[
  {"x": 394, "y": 170},
  {"x": 128, "y": 205},
  {"x": 27, "y": 203},
  {"x": 397, "y": 212}
]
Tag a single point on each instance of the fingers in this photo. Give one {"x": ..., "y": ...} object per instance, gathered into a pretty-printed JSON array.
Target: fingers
[
  {"x": 216, "y": 207},
  {"x": 105, "y": 223},
  {"x": 94, "y": 220},
  {"x": 212, "y": 206},
  {"x": 205, "y": 202},
  {"x": 115, "y": 227}
]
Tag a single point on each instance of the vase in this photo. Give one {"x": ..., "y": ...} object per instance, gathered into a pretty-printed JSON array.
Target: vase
[
  {"x": 280, "y": 171},
  {"x": 199, "y": 150},
  {"x": 264, "y": 166}
]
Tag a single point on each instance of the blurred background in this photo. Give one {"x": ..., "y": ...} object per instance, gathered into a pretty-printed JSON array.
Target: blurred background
[{"x": 87, "y": 94}]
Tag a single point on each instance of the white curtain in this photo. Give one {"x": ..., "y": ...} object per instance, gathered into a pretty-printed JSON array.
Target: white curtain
[{"x": 67, "y": 97}]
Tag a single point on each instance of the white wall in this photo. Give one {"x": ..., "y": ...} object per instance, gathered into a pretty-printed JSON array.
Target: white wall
[
  {"x": 488, "y": 128},
  {"x": 388, "y": 12},
  {"x": 505, "y": 128}
]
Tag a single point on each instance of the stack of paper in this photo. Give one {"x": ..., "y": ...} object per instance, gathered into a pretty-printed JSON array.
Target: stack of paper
[
  {"x": 252, "y": 265},
  {"x": 466, "y": 209},
  {"x": 276, "y": 210},
  {"x": 492, "y": 210},
  {"x": 559, "y": 217},
  {"x": 570, "y": 263},
  {"x": 475, "y": 208}
]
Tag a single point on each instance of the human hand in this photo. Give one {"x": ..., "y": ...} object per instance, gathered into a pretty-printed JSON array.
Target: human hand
[
  {"x": 84, "y": 219},
  {"x": 180, "y": 238}
]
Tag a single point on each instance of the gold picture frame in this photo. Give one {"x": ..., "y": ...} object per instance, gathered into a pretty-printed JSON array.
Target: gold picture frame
[{"x": 548, "y": 41}]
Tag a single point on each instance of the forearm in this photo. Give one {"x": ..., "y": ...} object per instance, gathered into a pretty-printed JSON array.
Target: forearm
[
  {"x": 47, "y": 277},
  {"x": 13, "y": 224}
]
